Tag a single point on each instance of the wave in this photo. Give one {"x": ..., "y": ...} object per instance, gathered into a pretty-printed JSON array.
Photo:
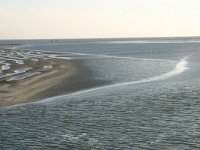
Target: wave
[
  {"x": 180, "y": 67},
  {"x": 22, "y": 76},
  {"x": 59, "y": 55}
]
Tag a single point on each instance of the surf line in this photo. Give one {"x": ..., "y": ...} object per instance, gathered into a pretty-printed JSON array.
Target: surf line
[
  {"x": 180, "y": 67},
  {"x": 57, "y": 56}
]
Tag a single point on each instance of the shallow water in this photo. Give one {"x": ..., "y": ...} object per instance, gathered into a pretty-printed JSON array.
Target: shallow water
[{"x": 151, "y": 100}]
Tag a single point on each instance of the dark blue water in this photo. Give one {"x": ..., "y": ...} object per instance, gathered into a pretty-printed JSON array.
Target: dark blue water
[{"x": 152, "y": 99}]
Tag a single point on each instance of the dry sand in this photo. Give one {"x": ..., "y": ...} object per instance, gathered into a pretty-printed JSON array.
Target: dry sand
[
  {"x": 57, "y": 76},
  {"x": 38, "y": 86}
]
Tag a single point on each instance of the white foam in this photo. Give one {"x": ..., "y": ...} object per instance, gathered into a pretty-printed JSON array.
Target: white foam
[
  {"x": 118, "y": 57},
  {"x": 98, "y": 56},
  {"x": 48, "y": 67},
  {"x": 180, "y": 67},
  {"x": 59, "y": 57},
  {"x": 5, "y": 67},
  {"x": 21, "y": 62},
  {"x": 23, "y": 76},
  {"x": 34, "y": 59},
  {"x": 23, "y": 70}
]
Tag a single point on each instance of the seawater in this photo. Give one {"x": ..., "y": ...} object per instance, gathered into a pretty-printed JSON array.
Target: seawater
[{"x": 151, "y": 99}]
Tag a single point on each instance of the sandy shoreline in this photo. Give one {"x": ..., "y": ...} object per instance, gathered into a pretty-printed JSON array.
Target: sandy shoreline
[
  {"x": 38, "y": 86},
  {"x": 27, "y": 76}
]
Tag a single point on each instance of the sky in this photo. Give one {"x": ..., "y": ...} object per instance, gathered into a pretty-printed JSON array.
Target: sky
[{"x": 46, "y": 19}]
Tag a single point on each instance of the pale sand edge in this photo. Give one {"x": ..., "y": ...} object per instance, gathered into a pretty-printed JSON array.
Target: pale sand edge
[{"x": 31, "y": 88}]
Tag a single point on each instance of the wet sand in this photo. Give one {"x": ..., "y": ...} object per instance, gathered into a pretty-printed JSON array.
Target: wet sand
[
  {"x": 27, "y": 76},
  {"x": 38, "y": 86}
]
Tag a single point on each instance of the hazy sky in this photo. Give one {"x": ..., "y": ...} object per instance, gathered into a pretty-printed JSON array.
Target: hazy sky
[{"x": 98, "y": 18}]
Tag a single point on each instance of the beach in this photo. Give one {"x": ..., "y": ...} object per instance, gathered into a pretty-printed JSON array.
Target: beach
[
  {"x": 38, "y": 86},
  {"x": 30, "y": 75},
  {"x": 25, "y": 79}
]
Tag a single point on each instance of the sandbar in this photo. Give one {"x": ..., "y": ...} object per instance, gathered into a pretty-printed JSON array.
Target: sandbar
[{"x": 38, "y": 86}]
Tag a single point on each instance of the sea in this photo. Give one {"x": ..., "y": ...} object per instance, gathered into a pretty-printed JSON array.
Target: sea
[{"x": 149, "y": 99}]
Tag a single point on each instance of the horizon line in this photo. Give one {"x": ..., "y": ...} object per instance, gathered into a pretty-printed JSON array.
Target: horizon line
[{"x": 147, "y": 37}]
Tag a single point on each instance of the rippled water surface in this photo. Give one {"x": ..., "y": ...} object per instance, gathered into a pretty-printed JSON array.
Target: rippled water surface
[{"x": 151, "y": 99}]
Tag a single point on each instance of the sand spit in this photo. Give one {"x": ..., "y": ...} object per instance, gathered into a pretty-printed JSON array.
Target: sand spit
[{"x": 28, "y": 76}]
